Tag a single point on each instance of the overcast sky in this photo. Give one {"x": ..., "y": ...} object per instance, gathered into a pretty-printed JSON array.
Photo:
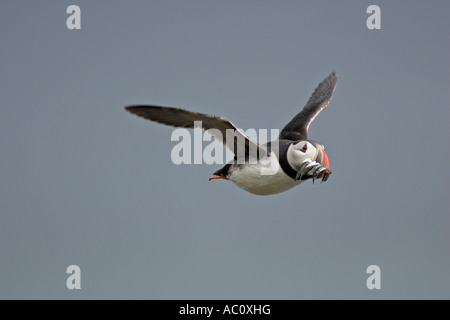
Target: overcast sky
[{"x": 82, "y": 182}]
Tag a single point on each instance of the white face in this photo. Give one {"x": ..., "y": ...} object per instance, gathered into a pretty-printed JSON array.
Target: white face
[{"x": 300, "y": 151}]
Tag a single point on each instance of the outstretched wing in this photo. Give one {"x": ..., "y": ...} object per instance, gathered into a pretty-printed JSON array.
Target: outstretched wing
[
  {"x": 219, "y": 128},
  {"x": 297, "y": 128}
]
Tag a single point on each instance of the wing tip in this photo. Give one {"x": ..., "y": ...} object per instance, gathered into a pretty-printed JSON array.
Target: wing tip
[
  {"x": 134, "y": 109},
  {"x": 131, "y": 109},
  {"x": 328, "y": 82},
  {"x": 332, "y": 76}
]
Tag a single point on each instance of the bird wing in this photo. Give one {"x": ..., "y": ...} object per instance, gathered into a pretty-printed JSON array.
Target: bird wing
[
  {"x": 297, "y": 128},
  {"x": 219, "y": 128}
]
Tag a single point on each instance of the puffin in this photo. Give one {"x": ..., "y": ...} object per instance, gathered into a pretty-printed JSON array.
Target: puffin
[{"x": 262, "y": 169}]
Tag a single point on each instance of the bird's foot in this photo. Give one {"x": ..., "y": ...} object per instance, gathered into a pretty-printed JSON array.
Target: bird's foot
[{"x": 218, "y": 177}]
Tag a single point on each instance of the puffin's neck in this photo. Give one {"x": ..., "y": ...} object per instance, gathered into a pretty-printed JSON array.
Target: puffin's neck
[{"x": 282, "y": 155}]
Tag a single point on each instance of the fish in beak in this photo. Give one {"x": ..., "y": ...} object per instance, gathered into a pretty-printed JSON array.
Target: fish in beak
[{"x": 317, "y": 168}]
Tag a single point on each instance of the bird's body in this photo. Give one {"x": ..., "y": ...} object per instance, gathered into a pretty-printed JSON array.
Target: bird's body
[
  {"x": 252, "y": 177},
  {"x": 261, "y": 169}
]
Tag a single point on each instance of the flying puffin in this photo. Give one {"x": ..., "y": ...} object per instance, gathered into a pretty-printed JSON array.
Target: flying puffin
[{"x": 264, "y": 169}]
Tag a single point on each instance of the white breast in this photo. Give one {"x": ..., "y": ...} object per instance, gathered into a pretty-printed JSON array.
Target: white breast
[{"x": 264, "y": 178}]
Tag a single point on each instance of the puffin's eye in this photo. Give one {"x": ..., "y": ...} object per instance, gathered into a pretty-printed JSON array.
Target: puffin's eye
[{"x": 304, "y": 148}]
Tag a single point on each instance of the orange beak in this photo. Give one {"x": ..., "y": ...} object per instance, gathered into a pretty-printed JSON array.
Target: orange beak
[{"x": 323, "y": 159}]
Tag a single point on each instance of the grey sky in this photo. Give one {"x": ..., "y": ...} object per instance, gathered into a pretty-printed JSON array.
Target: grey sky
[{"x": 83, "y": 182}]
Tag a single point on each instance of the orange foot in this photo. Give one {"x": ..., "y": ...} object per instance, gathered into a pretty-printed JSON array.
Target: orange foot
[{"x": 218, "y": 177}]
